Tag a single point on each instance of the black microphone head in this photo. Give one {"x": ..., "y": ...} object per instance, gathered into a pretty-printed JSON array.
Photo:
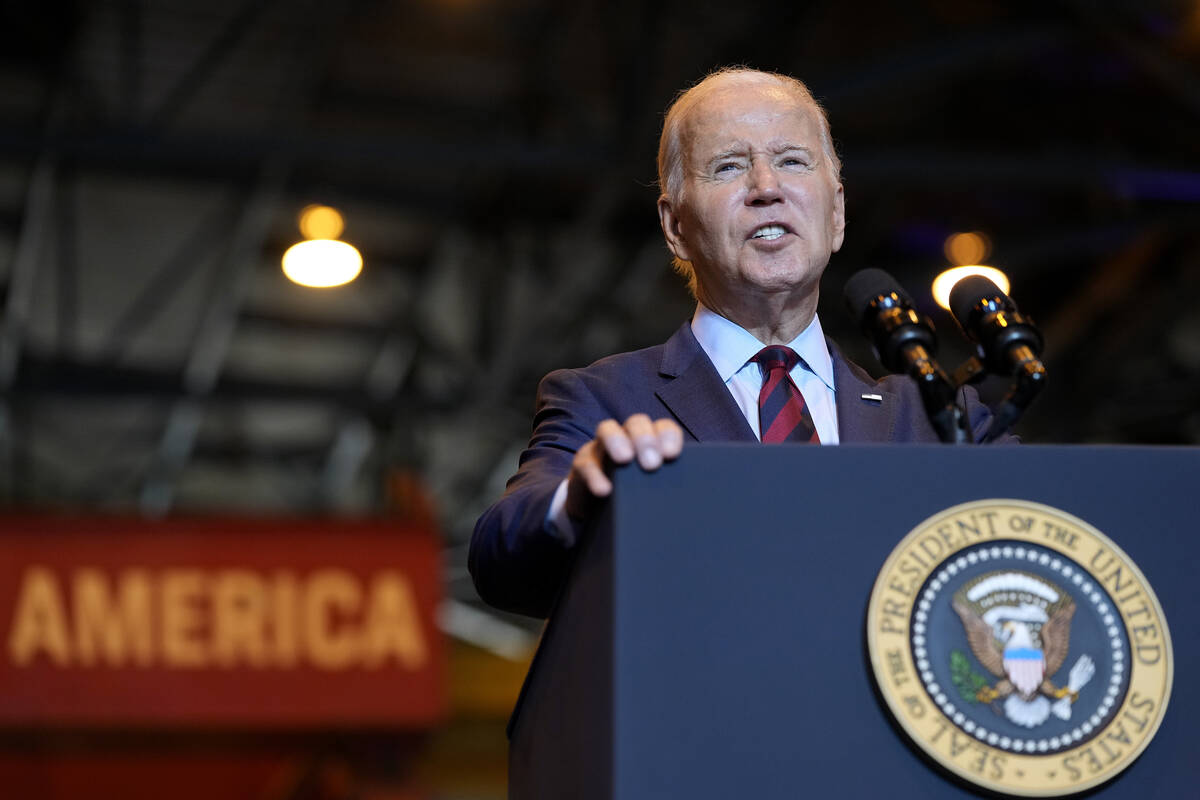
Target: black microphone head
[
  {"x": 967, "y": 293},
  {"x": 886, "y": 316},
  {"x": 867, "y": 284}
]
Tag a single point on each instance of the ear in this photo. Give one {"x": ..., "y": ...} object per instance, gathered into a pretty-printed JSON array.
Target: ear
[
  {"x": 838, "y": 219},
  {"x": 671, "y": 229}
]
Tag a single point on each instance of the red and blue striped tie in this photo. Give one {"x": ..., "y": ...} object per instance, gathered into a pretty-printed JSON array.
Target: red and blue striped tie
[{"x": 782, "y": 413}]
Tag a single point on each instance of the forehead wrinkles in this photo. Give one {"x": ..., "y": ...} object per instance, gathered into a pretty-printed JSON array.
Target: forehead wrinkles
[{"x": 709, "y": 133}]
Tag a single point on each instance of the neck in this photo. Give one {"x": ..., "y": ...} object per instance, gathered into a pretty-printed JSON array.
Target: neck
[{"x": 772, "y": 318}]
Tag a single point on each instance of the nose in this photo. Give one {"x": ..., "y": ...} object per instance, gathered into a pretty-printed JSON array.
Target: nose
[{"x": 763, "y": 184}]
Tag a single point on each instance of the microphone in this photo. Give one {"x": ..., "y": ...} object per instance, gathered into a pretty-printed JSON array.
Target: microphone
[
  {"x": 905, "y": 343},
  {"x": 885, "y": 314},
  {"x": 1008, "y": 340},
  {"x": 1009, "y": 344}
]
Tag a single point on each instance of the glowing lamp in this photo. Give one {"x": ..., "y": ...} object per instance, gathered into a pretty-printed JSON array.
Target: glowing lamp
[
  {"x": 943, "y": 283},
  {"x": 321, "y": 263}
]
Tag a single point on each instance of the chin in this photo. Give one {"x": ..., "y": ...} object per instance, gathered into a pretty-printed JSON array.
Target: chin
[{"x": 783, "y": 278}]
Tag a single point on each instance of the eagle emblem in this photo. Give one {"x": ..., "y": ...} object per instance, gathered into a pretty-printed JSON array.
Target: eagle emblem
[{"x": 1018, "y": 626}]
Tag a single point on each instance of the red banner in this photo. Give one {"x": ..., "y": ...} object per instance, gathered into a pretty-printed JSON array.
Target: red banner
[{"x": 218, "y": 623}]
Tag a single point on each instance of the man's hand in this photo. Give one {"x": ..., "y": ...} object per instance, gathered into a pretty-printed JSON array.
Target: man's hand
[{"x": 651, "y": 443}]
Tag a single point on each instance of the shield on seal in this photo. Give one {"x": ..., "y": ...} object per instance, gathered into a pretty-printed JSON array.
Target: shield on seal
[{"x": 1025, "y": 666}]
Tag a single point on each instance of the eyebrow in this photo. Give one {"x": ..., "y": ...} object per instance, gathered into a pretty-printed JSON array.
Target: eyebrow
[
  {"x": 733, "y": 152},
  {"x": 774, "y": 149},
  {"x": 786, "y": 147}
]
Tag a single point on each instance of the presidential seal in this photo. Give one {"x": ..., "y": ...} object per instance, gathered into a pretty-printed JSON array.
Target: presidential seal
[{"x": 1019, "y": 648}]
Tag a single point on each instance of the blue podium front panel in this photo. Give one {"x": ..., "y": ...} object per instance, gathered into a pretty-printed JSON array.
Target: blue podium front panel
[{"x": 725, "y": 613}]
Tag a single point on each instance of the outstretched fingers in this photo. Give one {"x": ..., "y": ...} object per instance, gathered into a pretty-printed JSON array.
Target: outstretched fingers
[
  {"x": 670, "y": 438},
  {"x": 649, "y": 442},
  {"x": 644, "y": 439},
  {"x": 588, "y": 467}
]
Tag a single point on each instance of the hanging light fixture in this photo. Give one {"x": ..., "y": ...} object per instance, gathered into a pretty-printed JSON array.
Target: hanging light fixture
[{"x": 321, "y": 260}]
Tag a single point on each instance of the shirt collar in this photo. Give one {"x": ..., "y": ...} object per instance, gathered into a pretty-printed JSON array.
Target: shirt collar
[{"x": 730, "y": 346}]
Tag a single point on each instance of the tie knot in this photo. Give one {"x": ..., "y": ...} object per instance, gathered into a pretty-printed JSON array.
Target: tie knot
[{"x": 776, "y": 356}]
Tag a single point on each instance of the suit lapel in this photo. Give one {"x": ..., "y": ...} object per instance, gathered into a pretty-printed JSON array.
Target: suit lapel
[
  {"x": 698, "y": 398},
  {"x": 861, "y": 419},
  {"x": 696, "y": 395}
]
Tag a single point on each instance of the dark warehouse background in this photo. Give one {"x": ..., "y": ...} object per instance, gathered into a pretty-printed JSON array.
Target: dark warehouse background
[{"x": 494, "y": 161}]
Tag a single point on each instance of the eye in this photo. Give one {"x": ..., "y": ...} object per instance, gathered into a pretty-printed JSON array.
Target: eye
[{"x": 725, "y": 167}]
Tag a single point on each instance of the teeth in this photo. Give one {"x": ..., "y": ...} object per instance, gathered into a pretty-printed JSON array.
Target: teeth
[{"x": 769, "y": 232}]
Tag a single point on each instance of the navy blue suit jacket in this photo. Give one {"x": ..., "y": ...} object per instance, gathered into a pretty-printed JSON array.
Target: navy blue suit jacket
[{"x": 519, "y": 566}]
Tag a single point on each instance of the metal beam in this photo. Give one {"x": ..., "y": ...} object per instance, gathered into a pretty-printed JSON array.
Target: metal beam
[
  {"x": 221, "y": 45},
  {"x": 212, "y": 339},
  {"x": 22, "y": 276}
]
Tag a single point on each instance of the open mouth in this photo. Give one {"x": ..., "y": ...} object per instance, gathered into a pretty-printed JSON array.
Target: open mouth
[{"x": 769, "y": 232}]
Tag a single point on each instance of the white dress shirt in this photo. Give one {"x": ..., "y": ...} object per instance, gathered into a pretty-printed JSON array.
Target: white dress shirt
[{"x": 730, "y": 347}]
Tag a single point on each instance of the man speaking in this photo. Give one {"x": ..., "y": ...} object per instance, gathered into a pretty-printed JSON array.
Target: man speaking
[{"x": 752, "y": 207}]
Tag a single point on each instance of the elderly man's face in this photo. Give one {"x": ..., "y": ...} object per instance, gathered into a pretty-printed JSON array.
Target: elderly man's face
[{"x": 760, "y": 209}]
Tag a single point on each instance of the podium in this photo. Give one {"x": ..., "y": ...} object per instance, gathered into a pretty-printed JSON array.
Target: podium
[{"x": 711, "y": 641}]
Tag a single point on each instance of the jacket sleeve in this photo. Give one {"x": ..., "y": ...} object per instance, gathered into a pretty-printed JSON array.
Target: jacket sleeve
[{"x": 517, "y": 562}]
